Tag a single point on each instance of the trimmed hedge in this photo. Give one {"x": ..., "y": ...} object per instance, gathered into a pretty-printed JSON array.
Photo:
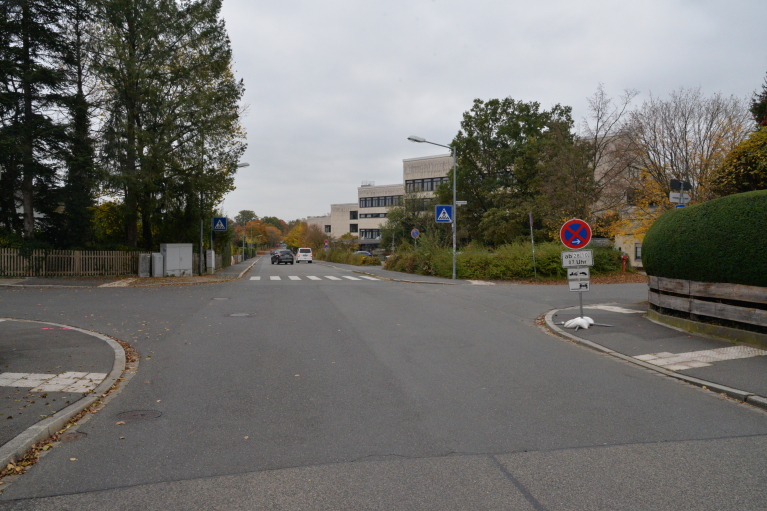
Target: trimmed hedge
[
  {"x": 508, "y": 262},
  {"x": 345, "y": 256},
  {"x": 723, "y": 240}
]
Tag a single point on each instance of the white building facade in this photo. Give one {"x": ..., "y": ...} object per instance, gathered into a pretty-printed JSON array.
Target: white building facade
[{"x": 365, "y": 217}]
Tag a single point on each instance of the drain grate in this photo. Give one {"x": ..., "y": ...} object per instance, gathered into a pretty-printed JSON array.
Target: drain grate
[{"x": 138, "y": 415}]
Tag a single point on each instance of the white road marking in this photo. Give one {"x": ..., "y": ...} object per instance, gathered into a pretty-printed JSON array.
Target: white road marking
[
  {"x": 691, "y": 359},
  {"x": 118, "y": 283},
  {"x": 314, "y": 277},
  {"x": 42, "y": 382},
  {"x": 613, "y": 308}
]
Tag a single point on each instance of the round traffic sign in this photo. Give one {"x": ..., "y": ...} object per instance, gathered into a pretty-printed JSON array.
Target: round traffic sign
[
  {"x": 415, "y": 233},
  {"x": 575, "y": 234}
]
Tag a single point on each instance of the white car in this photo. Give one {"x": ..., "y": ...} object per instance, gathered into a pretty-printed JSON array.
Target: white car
[{"x": 304, "y": 254}]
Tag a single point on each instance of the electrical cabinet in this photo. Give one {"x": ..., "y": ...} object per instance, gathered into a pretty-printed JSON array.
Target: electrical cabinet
[{"x": 177, "y": 259}]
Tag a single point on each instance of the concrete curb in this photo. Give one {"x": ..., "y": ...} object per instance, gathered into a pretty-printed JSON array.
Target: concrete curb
[
  {"x": 741, "y": 395},
  {"x": 246, "y": 270},
  {"x": 19, "y": 445}
]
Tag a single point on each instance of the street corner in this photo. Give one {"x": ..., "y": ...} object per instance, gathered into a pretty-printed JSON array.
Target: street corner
[
  {"x": 625, "y": 332},
  {"x": 48, "y": 373}
]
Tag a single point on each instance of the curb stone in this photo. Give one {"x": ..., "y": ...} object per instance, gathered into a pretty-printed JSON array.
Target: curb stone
[
  {"x": 19, "y": 445},
  {"x": 741, "y": 395}
]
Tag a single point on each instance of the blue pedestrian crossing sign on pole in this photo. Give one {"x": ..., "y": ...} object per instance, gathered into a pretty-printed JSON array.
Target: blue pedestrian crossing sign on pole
[
  {"x": 443, "y": 214},
  {"x": 219, "y": 224}
]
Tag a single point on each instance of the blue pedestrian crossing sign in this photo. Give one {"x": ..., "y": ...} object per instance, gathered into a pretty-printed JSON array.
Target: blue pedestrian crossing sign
[
  {"x": 443, "y": 214},
  {"x": 219, "y": 224}
]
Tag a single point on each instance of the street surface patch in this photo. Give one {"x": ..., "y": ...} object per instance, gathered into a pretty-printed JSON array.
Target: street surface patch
[
  {"x": 64, "y": 382},
  {"x": 693, "y": 359}
]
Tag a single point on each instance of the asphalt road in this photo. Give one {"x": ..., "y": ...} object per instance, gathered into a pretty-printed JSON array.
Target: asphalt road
[{"x": 368, "y": 394}]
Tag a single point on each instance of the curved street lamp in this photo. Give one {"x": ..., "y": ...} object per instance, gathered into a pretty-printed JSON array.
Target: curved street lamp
[{"x": 422, "y": 140}]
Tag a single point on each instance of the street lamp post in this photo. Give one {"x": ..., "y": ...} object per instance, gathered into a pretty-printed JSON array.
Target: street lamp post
[{"x": 422, "y": 140}]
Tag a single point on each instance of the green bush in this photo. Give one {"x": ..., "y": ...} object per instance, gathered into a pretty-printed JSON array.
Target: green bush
[
  {"x": 508, "y": 262},
  {"x": 345, "y": 256},
  {"x": 722, "y": 240}
]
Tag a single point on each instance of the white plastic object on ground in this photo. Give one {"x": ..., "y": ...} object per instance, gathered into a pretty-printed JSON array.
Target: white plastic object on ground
[{"x": 583, "y": 322}]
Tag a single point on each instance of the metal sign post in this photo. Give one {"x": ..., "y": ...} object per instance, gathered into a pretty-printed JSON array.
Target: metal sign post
[
  {"x": 576, "y": 234},
  {"x": 532, "y": 241}
]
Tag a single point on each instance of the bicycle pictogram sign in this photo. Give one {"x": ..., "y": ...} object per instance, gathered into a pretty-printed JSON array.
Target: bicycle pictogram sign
[{"x": 575, "y": 234}]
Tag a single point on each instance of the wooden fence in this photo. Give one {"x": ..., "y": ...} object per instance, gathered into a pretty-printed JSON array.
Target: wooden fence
[
  {"x": 706, "y": 299},
  {"x": 67, "y": 263}
]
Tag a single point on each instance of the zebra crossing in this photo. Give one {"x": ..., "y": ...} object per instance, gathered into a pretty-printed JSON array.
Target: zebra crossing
[{"x": 313, "y": 277}]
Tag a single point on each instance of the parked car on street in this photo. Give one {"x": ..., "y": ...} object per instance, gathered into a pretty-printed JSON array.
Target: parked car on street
[
  {"x": 304, "y": 254},
  {"x": 283, "y": 256},
  {"x": 364, "y": 253}
]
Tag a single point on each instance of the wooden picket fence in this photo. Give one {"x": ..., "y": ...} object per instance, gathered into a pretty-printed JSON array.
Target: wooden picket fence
[{"x": 67, "y": 263}]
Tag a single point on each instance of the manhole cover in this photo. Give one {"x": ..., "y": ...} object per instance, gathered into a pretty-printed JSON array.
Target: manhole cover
[
  {"x": 221, "y": 298},
  {"x": 71, "y": 437},
  {"x": 241, "y": 315},
  {"x": 138, "y": 415}
]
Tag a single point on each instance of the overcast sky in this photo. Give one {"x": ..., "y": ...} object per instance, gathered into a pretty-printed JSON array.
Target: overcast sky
[{"x": 334, "y": 88}]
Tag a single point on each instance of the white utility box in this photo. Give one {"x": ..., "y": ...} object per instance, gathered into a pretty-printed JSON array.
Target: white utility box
[
  {"x": 157, "y": 264},
  {"x": 210, "y": 261},
  {"x": 178, "y": 259}
]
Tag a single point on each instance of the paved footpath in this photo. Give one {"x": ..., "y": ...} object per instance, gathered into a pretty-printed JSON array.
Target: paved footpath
[
  {"x": 49, "y": 373},
  {"x": 721, "y": 366}
]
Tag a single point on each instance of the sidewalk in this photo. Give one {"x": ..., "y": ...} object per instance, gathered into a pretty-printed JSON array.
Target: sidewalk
[
  {"x": 49, "y": 373},
  {"x": 231, "y": 273},
  {"x": 721, "y": 366}
]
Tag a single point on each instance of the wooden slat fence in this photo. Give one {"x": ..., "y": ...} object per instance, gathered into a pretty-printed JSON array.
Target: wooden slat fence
[
  {"x": 697, "y": 298},
  {"x": 67, "y": 263}
]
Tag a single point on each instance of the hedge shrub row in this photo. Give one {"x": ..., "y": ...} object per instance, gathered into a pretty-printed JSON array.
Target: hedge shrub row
[
  {"x": 345, "y": 256},
  {"x": 506, "y": 263},
  {"x": 722, "y": 240}
]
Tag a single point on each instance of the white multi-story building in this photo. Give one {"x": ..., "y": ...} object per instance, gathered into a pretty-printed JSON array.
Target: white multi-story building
[{"x": 365, "y": 218}]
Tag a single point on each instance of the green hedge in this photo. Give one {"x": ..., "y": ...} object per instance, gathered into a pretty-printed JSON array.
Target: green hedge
[
  {"x": 723, "y": 240},
  {"x": 345, "y": 256},
  {"x": 506, "y": 263}
]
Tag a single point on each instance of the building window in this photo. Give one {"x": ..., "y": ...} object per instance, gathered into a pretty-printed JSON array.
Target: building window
[
  {"x": 370, "y": 234},
  {"x": 353, "y": 228},
  {"x": 327, "y": 228},
  {"x": 638, "y": 253},
  {"x": 379, "y": 202},
  {"x": 352, "y": 215}
]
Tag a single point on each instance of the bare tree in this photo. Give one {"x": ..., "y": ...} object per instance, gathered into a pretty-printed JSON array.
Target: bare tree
[
  {"x": 604, "y": 134},
  {"x": 686, "y": 137}
]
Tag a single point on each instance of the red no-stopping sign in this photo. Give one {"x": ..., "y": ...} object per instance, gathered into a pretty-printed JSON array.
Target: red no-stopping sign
[{"x": 575, "y": 234}]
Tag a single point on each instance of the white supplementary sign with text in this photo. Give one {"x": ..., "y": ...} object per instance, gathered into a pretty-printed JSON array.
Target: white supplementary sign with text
[{"x": 577, "y": 258}]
